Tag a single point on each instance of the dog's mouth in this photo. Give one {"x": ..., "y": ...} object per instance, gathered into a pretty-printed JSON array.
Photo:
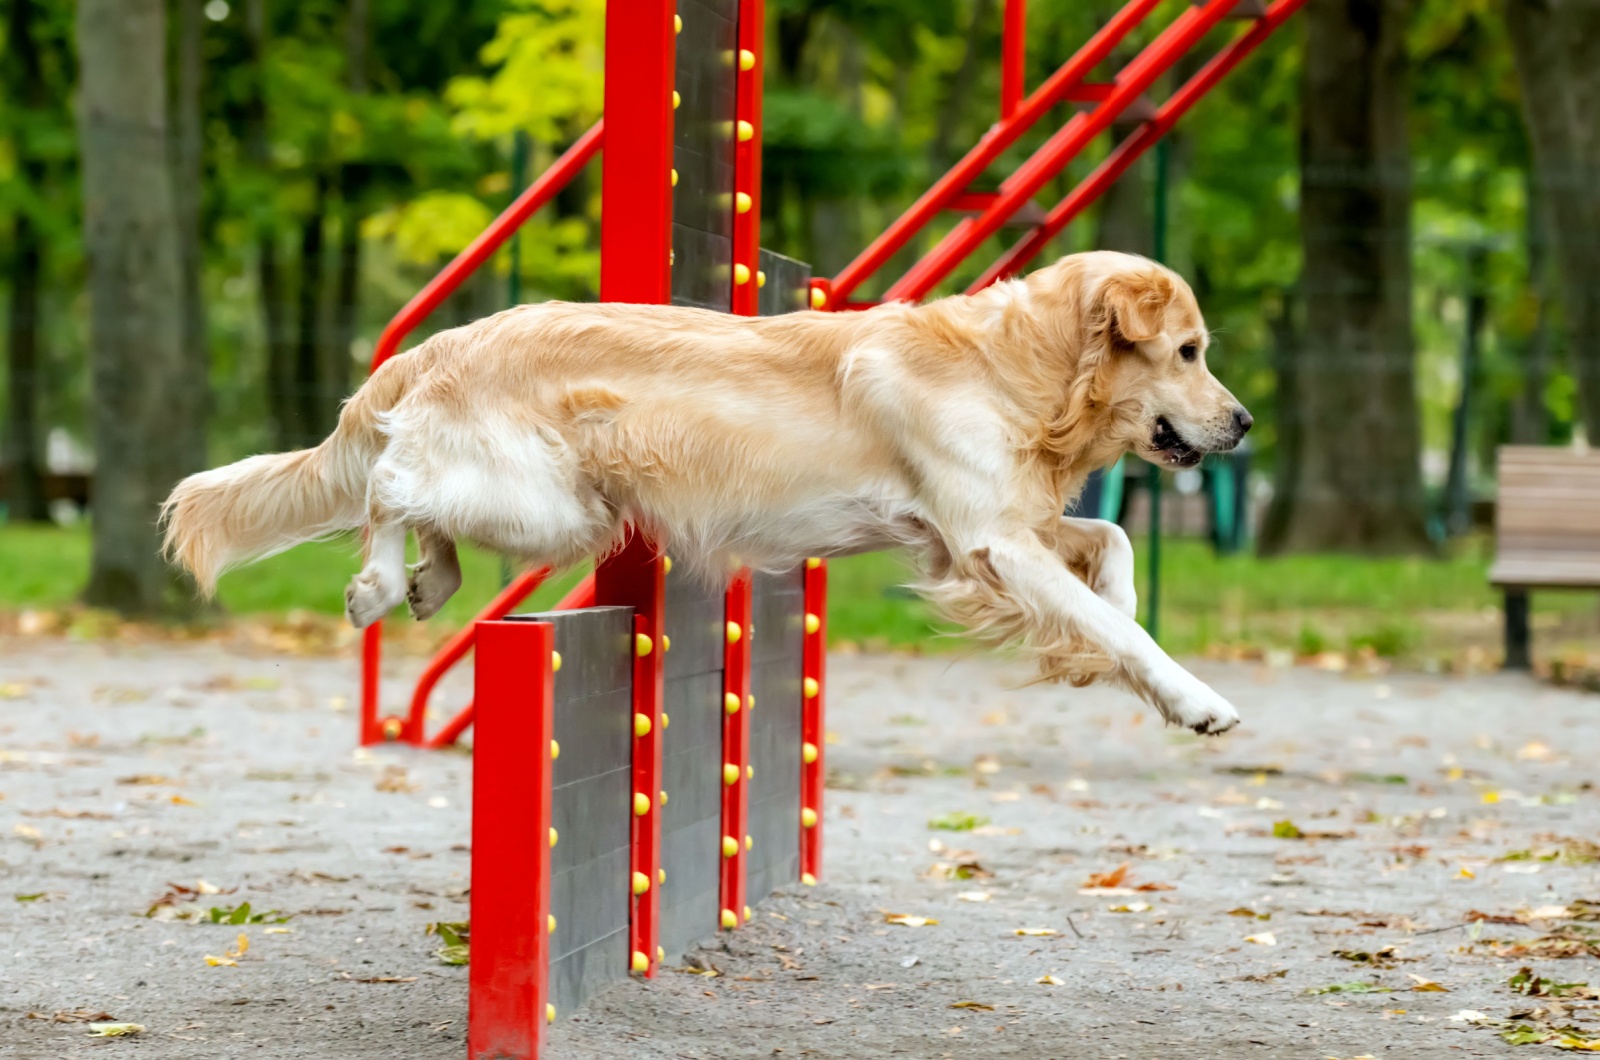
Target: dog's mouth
[{"x": 1171, "y": 447}]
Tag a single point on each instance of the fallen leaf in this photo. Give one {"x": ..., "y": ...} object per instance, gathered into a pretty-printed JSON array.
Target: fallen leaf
[
  {"x": 1265, "y": 938},
  {"x": 1426, "y": 986},
  {"x": 1116, "y": 877},
  {"x": 1469, "y": 1015},
  {"x": 1248, "y": 912},
  {"x": 115, "y": 1030},
  {"x": 1040, "y": 932},
  {"x": 957, "y": 822},
  {"x": 1129, "y": 907},
  {"x": 979, "y": 1005},
  {"x": 81, "y": 1015},
  {"x": 179, "y": 800},
  {"x": 1347, "y": 988},
  {"x": 974, "y": 896},
  {"x": 216, "y": 961},
  {"x": 1049, "y": 980},
  {"x": 907, "y": 920}
]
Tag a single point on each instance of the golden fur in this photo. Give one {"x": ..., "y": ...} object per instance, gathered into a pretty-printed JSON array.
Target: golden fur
[{"x": 959, "y": 428}]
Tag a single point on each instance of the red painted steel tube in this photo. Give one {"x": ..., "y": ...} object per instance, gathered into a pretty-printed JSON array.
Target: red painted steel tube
[
  {"x": 581, "y": 595},
  {"x": 747, "y": 158},
  {"x": 737, "y": 704},
  {"x": 1013, "y": 57},
  {"x": 995, "y": 141},
  {"x": 1126, "y": 153},
  {"x": 635, "y": 266},
  {"x": 813, "y": 728},
  {"x": 371, "y": 662},
  {"x": 502, "y": 228},
  {"x": 508, "y": 979},
  {"x": 1065, "y": 145},
  {"x": 645, "y": 838}
]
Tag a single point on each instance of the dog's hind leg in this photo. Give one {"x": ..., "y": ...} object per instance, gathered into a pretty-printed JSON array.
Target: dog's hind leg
[
  {"x": 437, "y": 575},
  {"x": 381, "y": 585}
]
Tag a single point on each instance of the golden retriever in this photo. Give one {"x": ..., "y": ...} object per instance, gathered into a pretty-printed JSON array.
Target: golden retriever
[{"x": 959, "y": 428}]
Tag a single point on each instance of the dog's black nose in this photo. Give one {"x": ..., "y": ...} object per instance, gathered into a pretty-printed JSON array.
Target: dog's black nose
[{"x": 1242, "y": 420}]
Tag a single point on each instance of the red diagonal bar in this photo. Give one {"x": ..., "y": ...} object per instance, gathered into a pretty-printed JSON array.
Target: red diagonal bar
[
  {"x": 581, "y": 595},
  {"x": 1013, "y": 57},
  {"x": 1106, "y": 174},
  {"x": 1060, "y": 149},
  {"x": 995, "y": 141}
]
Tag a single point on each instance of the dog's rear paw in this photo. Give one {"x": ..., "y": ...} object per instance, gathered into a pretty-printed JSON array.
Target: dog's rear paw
[
  {"x": 367, "y": 598},
  {"x": 431, "y": 585},
  {"x": 1200, "y": 709}
]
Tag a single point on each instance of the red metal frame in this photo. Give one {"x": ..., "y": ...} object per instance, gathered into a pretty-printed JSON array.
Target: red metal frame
[
  {"x": 813, "y": 728},
  {"x": 636, "y": 266},
  {"x": 747, "y": 158},
  {"x": 994, "y": 142},
  {"x": 1126, "y": 153},
  {"x": 737, "y": 704},
  {"x": 513, "y": 217},
  {"x": 511, "y": 793},
  {"x": 1013, "y": 57},
  {"x": 1019, "y": 188}
]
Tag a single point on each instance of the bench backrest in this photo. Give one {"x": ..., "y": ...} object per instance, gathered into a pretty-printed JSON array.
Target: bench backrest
[{"x": 1548, "y": 515}]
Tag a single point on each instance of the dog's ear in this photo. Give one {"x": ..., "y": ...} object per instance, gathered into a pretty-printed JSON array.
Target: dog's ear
[{"x": 1134, "y": 304}]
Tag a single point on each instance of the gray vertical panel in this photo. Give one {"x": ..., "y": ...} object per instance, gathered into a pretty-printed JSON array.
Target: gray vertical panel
[
  {"x": 788, "y": 287},
  {"x": 777, "y": 636},
  {"x": 591, "y": 801},
  {"x": 691, "y": 765},
  {"x": 703, "y": 150}
]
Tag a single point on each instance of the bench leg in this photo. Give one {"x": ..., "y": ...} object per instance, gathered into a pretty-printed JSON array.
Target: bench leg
[{"x": 1518, "y": 657}]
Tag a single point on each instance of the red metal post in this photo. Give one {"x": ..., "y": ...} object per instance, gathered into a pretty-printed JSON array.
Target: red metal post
[
  {"x": 1013, "y": 57},
  {"x": 635, "y": 266},
  {"x": 1126, "y": 153},
  {"x": 747, "y": 277},
  {"x": 994, "y": 142},
  {"x": 737, "y": 704},
  {"x": 1192, "y": 24},
  {"x": 813, "y": 730},
  {"x": 507, "y": 981}
]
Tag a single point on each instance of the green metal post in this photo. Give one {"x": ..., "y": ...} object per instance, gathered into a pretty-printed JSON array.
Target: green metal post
[{"x": 1152, "y": 613}]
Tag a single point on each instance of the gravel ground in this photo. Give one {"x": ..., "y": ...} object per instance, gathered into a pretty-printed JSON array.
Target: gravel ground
[{"x": 126, "y": 769}]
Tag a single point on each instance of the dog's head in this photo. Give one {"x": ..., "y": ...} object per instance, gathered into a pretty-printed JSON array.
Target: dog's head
[{"x": 1142, "y": 359}]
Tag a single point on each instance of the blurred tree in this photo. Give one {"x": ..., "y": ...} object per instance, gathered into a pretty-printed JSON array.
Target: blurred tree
[
  {"x": 26, "y": 85},
  {"x": 140, "y": 374},
  {"x": 188, "y": 191},
  {"x": 1556, "y": 44},
  {"x": 1356, "y": 481}
]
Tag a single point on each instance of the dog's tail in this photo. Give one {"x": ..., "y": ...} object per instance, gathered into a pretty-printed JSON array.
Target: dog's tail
[{"x": 265, "y": 504}]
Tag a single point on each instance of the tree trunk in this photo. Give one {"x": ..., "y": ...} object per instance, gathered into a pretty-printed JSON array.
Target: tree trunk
[
  {"x": 281, "y": 404},
  {"x": 1530, "y": 419},
  {"x": 138, "y": 372},
  {"x": 1124, "y": 221},
  {"x": 1556, "y": 47},
  {"x": 352, "y": 183},
  {"x": 187, "y": 183},
  {"x": 25, "y": 479},
  {"x": 310, "y": 424},
  {"x": 958, "y": 87},
  {"x": 1358, "y": 483}
]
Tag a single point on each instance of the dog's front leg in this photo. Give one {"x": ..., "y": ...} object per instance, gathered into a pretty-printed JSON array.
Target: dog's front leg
[
  {"x": 1100, "y": 553},
  {"x": 1034, "y": 574}
]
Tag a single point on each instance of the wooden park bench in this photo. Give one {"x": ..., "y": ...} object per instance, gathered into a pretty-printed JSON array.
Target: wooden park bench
[{"x": 1547, "y": 531}]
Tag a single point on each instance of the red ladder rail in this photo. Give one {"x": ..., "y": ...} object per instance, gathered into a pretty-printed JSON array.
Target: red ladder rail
[
  {"x": 1128, "y": 152},
  {"x": 1001, "y": 136},
  {"x": 1017, "y": 190},
  {"x": 541, "y": 191}
]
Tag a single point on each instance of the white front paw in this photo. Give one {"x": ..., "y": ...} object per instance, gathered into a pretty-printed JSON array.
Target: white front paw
[{"x": 1194, "y": 705}]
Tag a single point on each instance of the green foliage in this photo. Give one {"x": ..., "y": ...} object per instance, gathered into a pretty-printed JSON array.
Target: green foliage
[
  {"x": 957, "y": 822},
  {"x": 242, "y": 915}
]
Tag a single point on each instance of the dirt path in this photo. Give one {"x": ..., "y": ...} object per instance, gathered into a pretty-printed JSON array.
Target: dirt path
[{"x": 125, "y": 769}]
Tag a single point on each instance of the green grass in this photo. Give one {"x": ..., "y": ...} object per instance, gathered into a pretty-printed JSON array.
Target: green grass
[{"x": 1304, "y": 603}]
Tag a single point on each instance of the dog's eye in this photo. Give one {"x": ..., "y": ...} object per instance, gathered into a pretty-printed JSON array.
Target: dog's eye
[{"x": 1189, "y": 351}]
